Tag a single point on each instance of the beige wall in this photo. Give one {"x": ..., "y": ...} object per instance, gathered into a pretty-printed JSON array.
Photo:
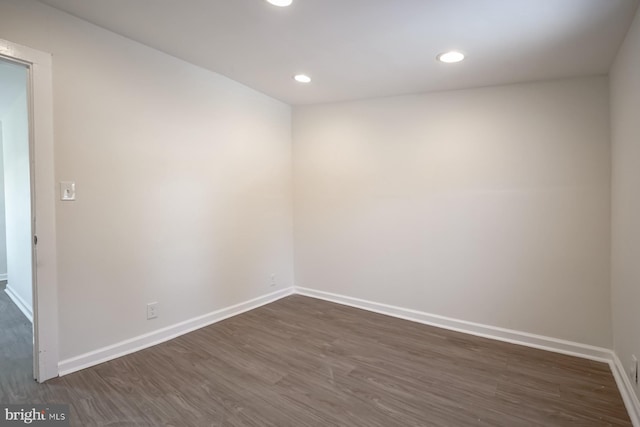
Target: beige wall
[
  {"x": 487, "y": 205},
  {"x": 625, "y": 124},
  {"x": 183, "y": 179}
]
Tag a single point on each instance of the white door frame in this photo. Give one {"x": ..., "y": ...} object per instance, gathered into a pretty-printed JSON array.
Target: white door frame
[{"x": 44, "y": 263}]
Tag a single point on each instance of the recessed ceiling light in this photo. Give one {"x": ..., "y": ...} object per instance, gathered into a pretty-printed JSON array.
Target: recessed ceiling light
[
  {"x": 450, "y": 57},
  {"x": 281, "y": 3},
  {"x": 302, "y": 78}
]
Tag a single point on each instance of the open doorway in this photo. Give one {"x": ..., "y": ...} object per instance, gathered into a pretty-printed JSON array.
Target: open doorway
[
  {"x": 16, "y": 223},
  {"x": 36, "y": 66}
]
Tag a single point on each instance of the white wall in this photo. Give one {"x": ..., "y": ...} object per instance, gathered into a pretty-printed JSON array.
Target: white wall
[
  {"x": 487, "y": 205},
  {"x": 625, "y": 124},
  {"x": 17, "y": 191},
  {"x": 3, "y": 233},
  {"x": 183, "y": 179},
  {"x": 12, "y": 85}
]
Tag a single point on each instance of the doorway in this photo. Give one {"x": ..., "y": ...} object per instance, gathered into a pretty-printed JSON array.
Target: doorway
[
  {"x": 26, "y": 143},
  {"x": 16, "y": 228}
]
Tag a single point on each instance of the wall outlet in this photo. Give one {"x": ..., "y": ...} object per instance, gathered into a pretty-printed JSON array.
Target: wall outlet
[
  {"x": 633, "y": 372},
  {"x": 272, "y": 283},
  {"x": 152, "y": 310}
]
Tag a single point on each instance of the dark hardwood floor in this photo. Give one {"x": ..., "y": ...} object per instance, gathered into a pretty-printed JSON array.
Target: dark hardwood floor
[{"x": 304, "y": 362}]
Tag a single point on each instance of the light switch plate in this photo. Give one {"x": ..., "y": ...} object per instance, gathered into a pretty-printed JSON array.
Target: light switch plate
[{"x": 67, "y": 191}]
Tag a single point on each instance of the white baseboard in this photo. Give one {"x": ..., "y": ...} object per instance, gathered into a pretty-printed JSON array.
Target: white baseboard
[
  {"x": 626, "y": 390},
  {"x": 141, "y": 342},
  {"x": 3, "y": 277},
  {"x": 570, "y": 348},
  {"x": 18, "y": 301}
]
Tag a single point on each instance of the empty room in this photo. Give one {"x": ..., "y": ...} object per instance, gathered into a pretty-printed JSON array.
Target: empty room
[{"x": 319, "y": 213}]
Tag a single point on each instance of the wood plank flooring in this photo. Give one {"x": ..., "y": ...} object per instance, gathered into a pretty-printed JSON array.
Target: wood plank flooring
[{"x": 304, "y": 362}]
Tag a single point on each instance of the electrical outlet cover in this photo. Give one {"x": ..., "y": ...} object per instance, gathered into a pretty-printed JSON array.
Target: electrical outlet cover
[{"x": 152, "y": 310}]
